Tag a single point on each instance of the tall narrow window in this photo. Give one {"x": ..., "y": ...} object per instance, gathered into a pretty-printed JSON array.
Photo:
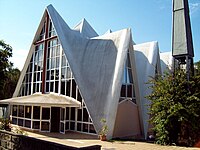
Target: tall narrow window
[{"x": 127, "y": 89}]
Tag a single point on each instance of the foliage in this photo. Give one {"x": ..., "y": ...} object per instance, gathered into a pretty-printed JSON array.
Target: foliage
[
  {"x": 17, "y": 130},
  {"x": 5, "y": 124},
  {"x": 104, "y": 129},
  {"x": 10, "y": 82},
  {"x": 197, "y": 67},
  {"x": 175, "y": 108},
  {"x": 8, "y": 75},
  {"x": 5, "y": 54}
]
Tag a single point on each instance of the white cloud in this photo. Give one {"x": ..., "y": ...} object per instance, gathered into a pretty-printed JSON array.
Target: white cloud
[{"x": 194, "y": 7}]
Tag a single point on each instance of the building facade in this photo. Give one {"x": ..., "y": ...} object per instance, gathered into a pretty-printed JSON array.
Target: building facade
[{"x": 72, "y": 78}]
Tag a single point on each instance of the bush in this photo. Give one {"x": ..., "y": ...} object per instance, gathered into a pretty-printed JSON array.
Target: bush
[
  {"x": 5, "y": 124},
  {"x": 175, "y": 108}
]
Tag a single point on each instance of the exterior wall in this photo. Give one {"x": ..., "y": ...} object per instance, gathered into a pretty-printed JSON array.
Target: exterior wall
[{"x": 127, "y": 122}]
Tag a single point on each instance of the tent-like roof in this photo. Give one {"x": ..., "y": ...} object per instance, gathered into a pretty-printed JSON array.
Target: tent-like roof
[
  {"x": 51, "y": 99},
  {"x": 147, "y": 58},
  {"x": 85, "y": 29},
  {"x": 166, "y": 61},
  {"x": 97, "y": 65}
]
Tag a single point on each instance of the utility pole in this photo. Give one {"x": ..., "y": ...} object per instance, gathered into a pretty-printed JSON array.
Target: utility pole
[{"x": 182, "y": 44}]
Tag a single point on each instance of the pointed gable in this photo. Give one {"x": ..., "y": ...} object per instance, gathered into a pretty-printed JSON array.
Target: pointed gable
[
  {"x": 146, "y": 57},
  {"x": 97, "y": 65},
  {"x": 85, "y": 29}
]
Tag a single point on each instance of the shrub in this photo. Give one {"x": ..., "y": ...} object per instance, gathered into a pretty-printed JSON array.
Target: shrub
[{"x": 175, "y": 108}]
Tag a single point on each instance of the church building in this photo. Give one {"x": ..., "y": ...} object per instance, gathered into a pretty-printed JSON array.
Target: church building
[{"x": 72, "y": 78}]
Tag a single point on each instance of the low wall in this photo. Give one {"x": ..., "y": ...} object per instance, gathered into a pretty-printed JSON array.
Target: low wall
[{"x": 20, "y": 142}]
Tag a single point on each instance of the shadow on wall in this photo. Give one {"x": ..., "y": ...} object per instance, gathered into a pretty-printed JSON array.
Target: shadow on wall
[{"x": 145, "y": 70}]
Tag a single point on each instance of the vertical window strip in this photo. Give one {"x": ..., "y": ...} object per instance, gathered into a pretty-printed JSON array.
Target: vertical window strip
[{"x": 127, "y": 89}]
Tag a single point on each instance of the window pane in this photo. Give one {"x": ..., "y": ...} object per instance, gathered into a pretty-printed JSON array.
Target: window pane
[
  {"x": 27, "y": 111},
  {"x": 21, "y": 122},
  {"x": 79, "y": 126},
  {"x": 63, "y": 87},
  {"x": 56, "y": 86},
  {"x": 66, "y": 125},
  {"x": 52, "y": 74},
  {"x": 56, "y": 74},
  {"x": 73, "y": 89},
  {"x": 45, "y": 126},
  {"x": 52, "y": 63},
  {"x": 128, "y": 61},
  {"x": 133, "y": 91},
  {"x": 29, "y": 86},
  {"x": 14, "y": 120},
  {"x": 63, "y": 61},
  {"x": 51, "y": 86},
  {"x": 36, "y": 112},
  {"x": 67, "y": 113},
  {"x": 57, "y": 62},
  {"x": 85, "y": 115},
  {"x": 68, "y": 88},
  {"x": 30, "y": 77},
  {"x": 21, "y": 111},
  {"x": 62, "y": 114},
  {"x": 91, "y": 129},
  {"x": 68, "y": 73},
  {"x": 62, "y": 127},
  {"x": 123, "y": 91},
  {"x": 34, "y": 79},
  {"x": 28, "y": 123},
  {"x": 72, "y": 113},
  {"x": 45, "y": 113},
  {"x": 53, "y": 51},
  {"x": 129, "y": 77},
  {"x": 47, "y": 86},
  {"x": 14, "y": 110},
  {"x": 79, "y": 98},
  {"x": 79, "y": 114},
  {"x": 72, "y": 125},
  {"x": 36, "y": 124},
  {"x": 85, "y": 127},
  {"x": 129, "y": 90}
]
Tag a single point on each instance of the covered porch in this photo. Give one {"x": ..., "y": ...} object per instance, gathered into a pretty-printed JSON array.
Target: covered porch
[{"x": 43, "y": 112}]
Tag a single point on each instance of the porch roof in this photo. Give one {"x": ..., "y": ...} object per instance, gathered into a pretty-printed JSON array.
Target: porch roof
[{"x": 50, "y": 99}]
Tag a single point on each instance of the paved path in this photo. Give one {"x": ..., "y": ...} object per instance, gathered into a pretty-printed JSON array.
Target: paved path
[{"x": 81, "y": 140}]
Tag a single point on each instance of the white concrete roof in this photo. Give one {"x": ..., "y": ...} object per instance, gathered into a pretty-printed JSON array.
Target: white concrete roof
[
  {"x": 97, "y": 65},
  {"x": 85, "y": 29},
  {"x": 166, "y": 61},
  {"x": 147, "y": 60}
]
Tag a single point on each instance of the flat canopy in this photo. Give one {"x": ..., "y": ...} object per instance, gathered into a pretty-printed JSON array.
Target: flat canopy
[{"x": 51, "y": 99}]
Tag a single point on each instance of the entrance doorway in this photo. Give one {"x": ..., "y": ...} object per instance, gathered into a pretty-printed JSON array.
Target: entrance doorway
[{"x": 55, "y": 119}]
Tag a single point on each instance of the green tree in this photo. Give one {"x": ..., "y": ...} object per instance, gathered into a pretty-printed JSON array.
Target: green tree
[
  {"x": 8, "y": 75},
  {"x": 10, "y": 82},
  {"x": 175, "y": 108},
  {"x": 197, "y": 68}
]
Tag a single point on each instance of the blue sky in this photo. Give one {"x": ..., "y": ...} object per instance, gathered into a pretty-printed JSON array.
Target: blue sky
[{"x": 150, "y": 20}]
